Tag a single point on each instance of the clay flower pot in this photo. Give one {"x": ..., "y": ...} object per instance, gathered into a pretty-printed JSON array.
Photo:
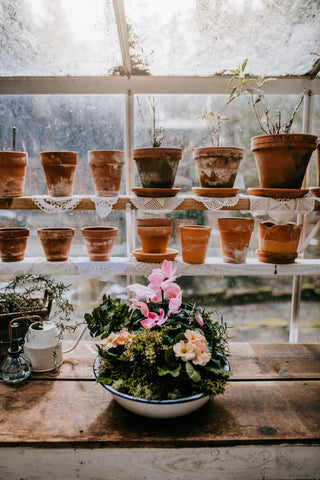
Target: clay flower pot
[
  {"x": 282, "y": 159},
  {"x": 13, "y": 243},
  {"x": 154, "y": 234},
  {"x": 59, "y": 169},
  {"x": 157, "y": 166},
  {"x": 194, "y": 242},
  {"x": 12, "y": 173},
  {"x": 278, "y": 242},
  {"x": 106, "y": 169},
  {"x": 235, "y": 236},
  {"x": 56, "y": 242},
  {"x": 217, "y": 166},
  {"x": 99, "y": 242}
]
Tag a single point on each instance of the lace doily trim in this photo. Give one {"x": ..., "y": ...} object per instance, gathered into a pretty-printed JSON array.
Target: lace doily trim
[
  {"x": 156, "y": 205},
  {"x": 103, "y": 205},
  {"x": 282, "y": 209},
  {"x": 56, "y": 204},
  {"x": 101, "y": 270},
  {"x": 213, "y": 203}
]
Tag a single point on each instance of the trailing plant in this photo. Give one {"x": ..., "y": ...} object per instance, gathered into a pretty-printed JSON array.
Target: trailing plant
[
  {"x": 214, "y": 123},
  {"x": 270, "y": 122},
  {"x": 160, "y": 348}
]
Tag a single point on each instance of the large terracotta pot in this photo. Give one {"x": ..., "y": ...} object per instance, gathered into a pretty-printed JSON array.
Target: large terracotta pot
[
  {"x": 56, "y": 242},
  {"x": 154, "y": 234},
  {"x": 59, "y": 169},
  {"x": 235, "y": 236},
  {"x": 13, "y": 243},
  {"x": 282, "y": 159},
  {"x": 194, "y": 242},
  {"x": 12, "y": 173},
  {"x": 278, "y": 243},
  {"x": 106, "y": 168},
  {"x": 157, "y": 166},
  {"x": 99, "y": 242},
  {"x": 217, "y": 166}
]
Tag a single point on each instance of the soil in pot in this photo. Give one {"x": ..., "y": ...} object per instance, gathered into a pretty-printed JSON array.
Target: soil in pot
[
  {"x": 235, "y": 236},
  {"x": 157, "y": 166},
  {"x": 12, "y": 173},
  {"x": 217, "y": 166},
  {"x": 99, "y": 242},
  {"x": 106, "y": 169},
  {"x": 194, "y": 242},
  {"x": 59, "y": 169},
  {"x": 56, "y": 242},
  {"x": 154, "y": 234},
  {"x": 13, "y": 243},
  {"x": 278, "y": 243},
  {"x": 282, "y": 159}
]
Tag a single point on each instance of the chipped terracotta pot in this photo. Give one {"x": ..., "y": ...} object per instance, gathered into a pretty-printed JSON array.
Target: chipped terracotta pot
[
  {"x": 99, "y": 242},
  {"x": 12, "y": 173},
  {"x": 217, "y": 166},
  {"x": 56, "y": 242},
  {"x": 13, "y": 243},
  {"x": 106, "y": 169},
  {"x": 157, "y": 166},
  {"x": 154, "y": 234},
  {"x": 235, "y": 236},
  {"x": 194, "y": 242},
  {"x": 282, "y": 159},
  {"x": 59, "y": 169},
  {"x": 278, "y": 243}
]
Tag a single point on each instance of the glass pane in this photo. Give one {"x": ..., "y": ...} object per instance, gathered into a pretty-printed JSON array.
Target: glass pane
[
  {"x": 73, "y": 37},
  {"x": 202, "y": 37}
]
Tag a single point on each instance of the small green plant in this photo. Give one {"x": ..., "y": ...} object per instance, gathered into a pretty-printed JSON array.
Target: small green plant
[
  {"x": 270, "y": 122},
  {"x": 214, "y": 123},
  {"x": 156, "y": 136}
]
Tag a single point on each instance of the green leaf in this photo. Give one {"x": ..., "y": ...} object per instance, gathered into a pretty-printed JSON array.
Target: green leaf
[
  {"x": 243, "y": 66},
  {"x": 165, "y": 370},
  {"x": 192, "y": 372},
  {"x": 170, "y": 357},
  {"x": 104, "y": 379}
]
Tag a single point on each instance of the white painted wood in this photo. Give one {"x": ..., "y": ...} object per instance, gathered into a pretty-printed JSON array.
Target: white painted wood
[
  {"x": 145, "y": 84},
  {"x": 249, "y": 462}
]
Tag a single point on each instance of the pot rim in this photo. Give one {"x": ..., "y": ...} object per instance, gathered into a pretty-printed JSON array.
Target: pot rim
[
  {"x": 154, "y": 222},
  {"x": 216, "y": 150},
  {"x": 63, "y": 157},
  {"x": 12, "y": 232}
]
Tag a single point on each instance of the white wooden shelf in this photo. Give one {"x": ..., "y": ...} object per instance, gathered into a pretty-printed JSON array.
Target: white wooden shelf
[{"x": 128, "y": 266}]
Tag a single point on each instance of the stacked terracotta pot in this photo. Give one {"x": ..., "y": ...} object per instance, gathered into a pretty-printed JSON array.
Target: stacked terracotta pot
[{"x": 154, "y": 235}]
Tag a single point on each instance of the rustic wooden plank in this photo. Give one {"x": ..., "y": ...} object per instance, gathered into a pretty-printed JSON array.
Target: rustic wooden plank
[{"x": 82, "y": 413}]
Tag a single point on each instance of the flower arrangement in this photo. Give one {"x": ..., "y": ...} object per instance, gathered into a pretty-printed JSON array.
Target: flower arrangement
[{"x": 156, "y": 347}]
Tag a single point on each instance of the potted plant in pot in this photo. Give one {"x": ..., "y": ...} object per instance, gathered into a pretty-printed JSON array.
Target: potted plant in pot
[
  {"x": 159, "y": 357},
  {"x": 217, "y": 165},
  {"x": 157, "y": 165},
  {"x": 282, "y": 157}
]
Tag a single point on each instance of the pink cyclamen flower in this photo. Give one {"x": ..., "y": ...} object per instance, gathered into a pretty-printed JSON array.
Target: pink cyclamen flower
[
  {"x": 142, "y": 306},
  {"x": 142, "y": 291},
  {"x": 199, "y": 319},
  {"x": 154, "y": 319},
  {"x": 175, "y": 303},
  {"x": 160, "y": 275}
]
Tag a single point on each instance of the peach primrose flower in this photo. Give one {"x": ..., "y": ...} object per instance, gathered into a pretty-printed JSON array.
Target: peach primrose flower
[
  {"x": 184, "y": 349},
  {"x": 118, "y": 338}
]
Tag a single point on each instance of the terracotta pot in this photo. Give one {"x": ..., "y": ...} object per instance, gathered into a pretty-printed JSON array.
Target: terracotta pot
[
  {"x": 157, "y": 167},
  {"x": 194, "y": 243},
  {"x": 12, "y": 173},
  {"x": 154, "y": 234},
  {"x": 282, "y": 159},
  {"x": 235, "y": 236},
  {"x": 56, "y": 242},
  {"x": 59, "y": 169},
  {"x": 106, "y": 168},
  {"x": 217, "y": 166},
  {"x": 13, "y": 243},
  {"x": 279, "y": 238},
  {"x": 99, "y": 242}
]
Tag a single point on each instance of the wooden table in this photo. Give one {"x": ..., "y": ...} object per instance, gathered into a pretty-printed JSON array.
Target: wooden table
[{"x": 265, "y": 426}]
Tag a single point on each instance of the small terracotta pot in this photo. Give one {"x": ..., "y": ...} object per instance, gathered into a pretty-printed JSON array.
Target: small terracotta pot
[
  {"x": 235, "y": 236},
  {"x": 157, "y": 166},
  {"x": 59, "y": 169},
  {"x": 282, "y": 159},
  {"x": 12, "y": 173},
  {"x": 279, "y": 238},
  {"x": 217, "y": 166},
  {"x": 56, "y": 242},
  {"x": 13, "y": 243},
  {"x": 99, "y": 242},
  {"x": 154, "y": 234},
  {"x": 194, "y": 243},
  {"x": 106, "y": 169}
]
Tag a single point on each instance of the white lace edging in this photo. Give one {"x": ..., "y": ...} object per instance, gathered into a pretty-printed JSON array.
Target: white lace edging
[
  {"x": 101, "y": 270},
  {"x": 213, "y": 203},
  {"x": 156, "y": 205},
  {"x": 103, "y": 205},
  {"x": 282, "y": 209},
  {"x": 56, "y": 204}
]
